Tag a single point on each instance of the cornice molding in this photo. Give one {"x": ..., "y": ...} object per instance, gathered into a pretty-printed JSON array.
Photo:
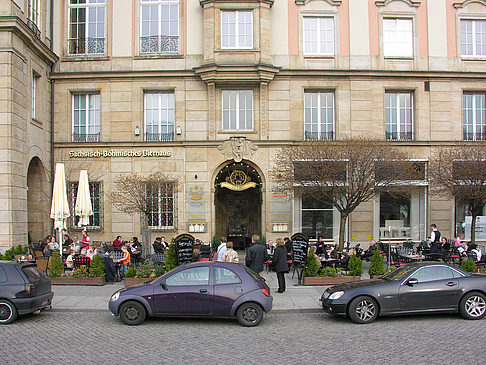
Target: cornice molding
[
  {"x": 331, "y": 2},
  {"x": 411, "y": 3},
  {"x": 236, "y": 74},
  {"x": 461, "y": 5},
  {"x": 203, "y": 3}
]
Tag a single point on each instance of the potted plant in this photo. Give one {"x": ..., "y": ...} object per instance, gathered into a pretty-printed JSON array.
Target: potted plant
[
  {"x": 468, "y": 265},
  {"x": 377, "y": 267},
  {"x": 142, "y": 273},
  {"x": 56, "y": 268},
  {"x": 82, "y": 276},
  {"x": 171, "y": 258}
]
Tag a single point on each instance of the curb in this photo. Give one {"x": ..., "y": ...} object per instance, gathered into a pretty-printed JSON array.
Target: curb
[{"x": 273, "y": 311}]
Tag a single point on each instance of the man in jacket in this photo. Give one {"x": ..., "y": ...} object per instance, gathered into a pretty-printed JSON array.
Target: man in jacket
[{"x": 256, "y": 255}]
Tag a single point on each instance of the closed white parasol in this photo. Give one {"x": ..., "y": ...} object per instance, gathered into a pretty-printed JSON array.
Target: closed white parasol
[
  {"x": 83, "y": 207},
  {"x": 60, "y": 205}
]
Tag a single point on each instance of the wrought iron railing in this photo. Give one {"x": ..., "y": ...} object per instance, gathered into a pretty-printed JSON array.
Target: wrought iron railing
[
  {"x": 34, "y": 28},
  {"x": 77, "y": 137},
  {"x": 475, "y": 136},
  {"x": 315, "y": 136},
  {"x": 159, "y": 137},
  {"x": 394, "y": 136},
  {"x": 159, "y": 44},
  {"x": 95, "y": 46}
]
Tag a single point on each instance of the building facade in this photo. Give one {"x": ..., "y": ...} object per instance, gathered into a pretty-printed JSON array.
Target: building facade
[{"x": 209, "y": 91}]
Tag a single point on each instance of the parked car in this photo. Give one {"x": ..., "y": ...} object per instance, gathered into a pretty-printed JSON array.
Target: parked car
[
  {"x": 202, "y": 289},
  {"x": 23, "y": 289},
  {"x": 426, "y": 287}
]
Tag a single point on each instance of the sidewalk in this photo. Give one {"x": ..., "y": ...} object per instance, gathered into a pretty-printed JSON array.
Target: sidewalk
[{"x": 95, "y": 298}]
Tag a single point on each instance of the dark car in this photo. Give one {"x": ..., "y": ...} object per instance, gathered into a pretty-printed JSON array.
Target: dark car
[
  {"x": 23, "y": 289},
  {"x": 202, "y": 289},
  {"x": 426, "y": 287}
]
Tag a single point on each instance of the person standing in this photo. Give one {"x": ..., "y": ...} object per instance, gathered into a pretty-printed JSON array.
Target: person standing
[
  {"x": 124, "y": 262},
  {"x": 157, "y": 245},
  {"x": 85, "y": 240},
  {"x": 279, "y": 264},
  {"x": 117, "y": 243},
  {"x": 135, "y": 251},
  {"x": 256, "y": 255},
  {"x": 435, "y": 240},
  {"x": 230, "y": 255},
  {"x": 288, "y": 247},
  {"x": 221, "y": 248}
]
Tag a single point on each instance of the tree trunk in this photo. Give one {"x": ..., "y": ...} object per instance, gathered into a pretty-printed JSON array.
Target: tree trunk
[
  {"x": 473, "y": 228},
  {"x": 342, "y": 230}
]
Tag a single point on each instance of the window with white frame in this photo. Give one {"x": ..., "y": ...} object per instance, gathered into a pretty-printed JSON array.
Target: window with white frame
[
  {"x": 33, "y": 17},
  {"x": 34, "y": 95},
  {"x": 317, "y": 218},
  {"x": 318, "y": 36},
  {"x": 237, "y": 29},
  {"x": 86, "y": 117},
  {"x": 159, "y": 28},
  {"x": 237, "y": 110},
  {"x": 474, "y": 116},
  {"x": 398, "y": 116},
  {"x": 397, "y": 37},
  {"x": 319, "y": 115},
  {"x": 86, "y": 34},
  {"x": 160, "y": 203},
  {"x": 159, "y": 116},
  {"x": 95, "y": 194},
  {"x": 473, "y": 37}
]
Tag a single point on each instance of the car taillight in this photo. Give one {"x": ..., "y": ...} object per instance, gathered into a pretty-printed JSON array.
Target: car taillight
[
  {"x": 29, "y": 288},
  {"x": 265, "y": 291}
]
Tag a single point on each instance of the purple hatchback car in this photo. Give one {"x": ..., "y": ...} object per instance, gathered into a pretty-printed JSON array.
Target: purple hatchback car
[{"x": 200, "y": 289}]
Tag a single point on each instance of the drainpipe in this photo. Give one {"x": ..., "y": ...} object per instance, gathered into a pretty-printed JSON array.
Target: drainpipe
[{"x": 51, "y": 22}]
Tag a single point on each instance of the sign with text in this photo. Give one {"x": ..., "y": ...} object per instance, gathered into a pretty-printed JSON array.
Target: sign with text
[
  {"x": 118, "y": 153},
  {"x": 184, "y": 248},
  {"x": 300, "y": 246}
]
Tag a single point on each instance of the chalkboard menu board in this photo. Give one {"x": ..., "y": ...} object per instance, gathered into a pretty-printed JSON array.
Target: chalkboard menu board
[
  {"x": 184, "y": 248},
  {"x": 300, "y": 244}
]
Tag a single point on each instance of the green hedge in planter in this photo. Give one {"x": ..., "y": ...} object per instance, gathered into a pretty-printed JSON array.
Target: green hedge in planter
[
  {"x": 145, "y": 270},
  {"x": 97, "y": 267},
  {"x": 171, "y": 259},
  {"x": 355, "y": 266},
  {"x": 56, "y": 267},
  {"x": 377, "y": 267},
  {"x": 131, "y": 272},
  {"x": 468, "y": 265},
  {"x": 81, "y": 272},
  {"x": 312, "y": 265}
]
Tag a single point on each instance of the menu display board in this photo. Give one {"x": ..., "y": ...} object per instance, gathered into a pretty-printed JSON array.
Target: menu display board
[
  {"x": 184, "y": 248},
  {"x": 300, "y": 245}
]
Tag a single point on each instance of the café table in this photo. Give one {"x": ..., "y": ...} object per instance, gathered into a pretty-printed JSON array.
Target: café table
[
  {"x": 328, "y": 262},
  {"x": 414, "y": 257}
]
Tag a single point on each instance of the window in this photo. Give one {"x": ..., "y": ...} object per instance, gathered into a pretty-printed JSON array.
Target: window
[
  {"x": 474, "y": 116},
  {"x": 95, "y": 193},
  {"x": 433, "y": 273},
  {"x": 160, "y": 202},
  {"x": 34, "y": 95},
  {"x": 236, "y": 29},
  {"x": 394, "y": 215},
  {"x": 319, "y": 36},
  {"x": 397, "y": 37},
  {"x": 473, "y": 38},
  {"x": 317, "y": 218},
  {"x": 237, "y": 110},
  {"x": 33, "y": 18},
  {"x": 319, "y": 115},
  {"x": 159, "y": 117},
  {"x": 159, "y": 26},
  {"x": 225, "y": 276},
  {"x": 86, "y": 117},
  {"x": 192, "y": 276},
  {"x": 398, "y": 116},
  {"x": 86, "y": 27}
]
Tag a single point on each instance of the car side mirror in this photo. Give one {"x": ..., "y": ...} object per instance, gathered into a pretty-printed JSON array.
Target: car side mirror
[
  {"x": 163, "y": 284},
  {"x": 412, "y": 282}
]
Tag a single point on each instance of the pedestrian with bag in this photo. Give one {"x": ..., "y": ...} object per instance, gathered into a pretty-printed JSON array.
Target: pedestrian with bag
[
  {"x": 279, "y": 264},
  {"x": 256, "y": 255}
]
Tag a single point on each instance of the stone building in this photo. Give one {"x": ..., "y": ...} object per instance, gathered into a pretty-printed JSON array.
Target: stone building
[{"x": 209, "y": 91}]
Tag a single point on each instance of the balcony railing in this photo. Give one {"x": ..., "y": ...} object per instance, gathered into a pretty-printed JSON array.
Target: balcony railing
[
  {"x": 34, "y": 28},
  {"x": 159, "y": 137},
  {"x": 394, "y": 136},
  {"x": 316, "y": 136},
  {"x": 94, "y": 46},
  {"x": 77, "y": 137},
  {"x": 475, "y": 136},
  {"x": 159, "y": 44}
]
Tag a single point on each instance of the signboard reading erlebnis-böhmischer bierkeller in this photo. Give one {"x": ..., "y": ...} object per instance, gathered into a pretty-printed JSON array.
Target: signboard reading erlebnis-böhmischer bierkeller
[
  {"x": 184, "y": 248},
  {"x": 300, "y": 245}
]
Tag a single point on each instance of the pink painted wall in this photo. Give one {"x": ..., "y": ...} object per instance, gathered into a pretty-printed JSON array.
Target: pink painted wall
[
  {"x": 373, "y": 20},
  {"x": 343, "y": 11},
  {"x": 423, "y": 30},
  {"x": 451, "y": 29},
  {"x": 293, "y": 28}
]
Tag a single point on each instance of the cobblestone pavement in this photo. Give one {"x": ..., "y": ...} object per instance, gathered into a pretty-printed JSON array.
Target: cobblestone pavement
[{"x": 310, "y": 338}]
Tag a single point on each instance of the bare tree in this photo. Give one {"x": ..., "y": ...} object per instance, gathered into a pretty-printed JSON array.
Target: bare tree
[
  {"x": 138, "y": 194},
  {"x": 344, "y": 174},
  {"x": 460, "y": 172}
]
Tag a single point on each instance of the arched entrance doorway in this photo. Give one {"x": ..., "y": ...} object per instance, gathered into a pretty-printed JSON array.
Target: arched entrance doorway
[
  {"x": 37, "y": 200},
  {"x": 238, "y": 203}
]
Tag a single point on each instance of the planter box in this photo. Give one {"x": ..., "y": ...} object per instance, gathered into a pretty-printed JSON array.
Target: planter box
[
  {"x": 375, "y": 276},
  {"x": 329, "y": 280},
  {"x": 69, "y": 280},
  {"x": 134, "y": 281}
]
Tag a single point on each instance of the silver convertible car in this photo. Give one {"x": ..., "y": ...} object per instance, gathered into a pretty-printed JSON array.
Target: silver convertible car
[{"x": 425, "y": 287}]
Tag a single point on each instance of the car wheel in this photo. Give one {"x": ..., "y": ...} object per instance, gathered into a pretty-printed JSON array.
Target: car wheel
[
  {"x": 249, "y": 314},
  {"x": 473, "y": 306},
  {"x": 363, "y": 310},
  {"x": 8, "y": 312},
  {"x": 132, "y": 313}
]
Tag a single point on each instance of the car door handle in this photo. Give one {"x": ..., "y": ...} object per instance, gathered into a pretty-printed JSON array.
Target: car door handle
[
  {"x": 203, "y": 290},
  {"x": 451, "y": 283}
]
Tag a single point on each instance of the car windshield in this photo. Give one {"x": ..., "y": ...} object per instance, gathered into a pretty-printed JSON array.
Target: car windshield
[{"x": 399, "y": 273}]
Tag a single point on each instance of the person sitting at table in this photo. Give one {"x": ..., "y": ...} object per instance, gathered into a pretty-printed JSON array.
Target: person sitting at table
[
  {"x": 117, "y": 243},
  {"x": 334, "y": 253},
  {"x": 83, "y": 252},
  {"x": 67, "y": 241},
  {"x": 70, "y": 260},
  {"x": 461, "y": 246},
  {"x": 343, "y": 261},
  {"x": 157, "y": 245},
  {"x": 90, "y": 252},
  {"x": 320, "y": 247},
  {"x": 474, "y": 252},
  {"x": 369, "y": 251},
  {"x": 76, "y": 245},
  {"x": 135, "y": 251}
]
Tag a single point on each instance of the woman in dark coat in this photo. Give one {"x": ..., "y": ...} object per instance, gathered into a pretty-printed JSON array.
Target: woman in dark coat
[{"x": 279, "y": 264}]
